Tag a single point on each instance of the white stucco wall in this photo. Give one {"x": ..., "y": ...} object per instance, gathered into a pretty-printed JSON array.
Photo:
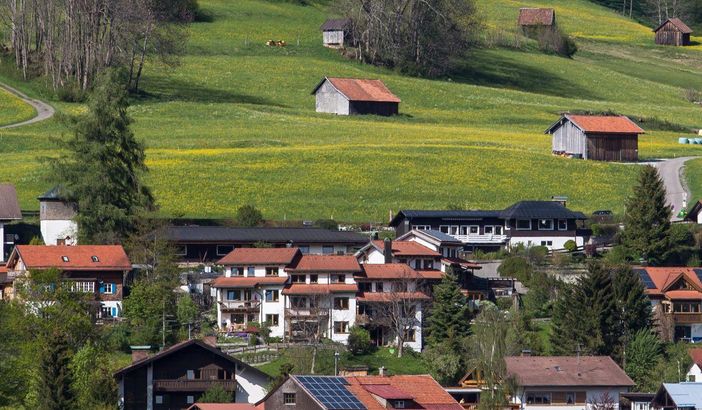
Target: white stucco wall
[
  {"x": 53, "y": 230},
  {"x": 348, "y": 315},
  {"x": 557, "y": 242},
  {"x": 251, "y": 386},
  {"x": 694, "y": 374},
  {"x": 593, "y": 394}
]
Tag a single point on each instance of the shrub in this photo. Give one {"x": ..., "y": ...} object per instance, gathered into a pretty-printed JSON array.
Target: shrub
[
  {"x": 516, "y": 267},
  {"x": 557, "y": 42},
  {"x": 504, "y": 303},
  {"x": 330, "y": 224},
  {"x": 570, "y": 245},
  {"x": 692, "y": 95},
  {"x": 71, "y": 93},
  {"x": 359, "y": 341},
  {"x": 561, "y": 260},
  {"x": 249, "y": 216},
  {"x": 216, "y": 394}
]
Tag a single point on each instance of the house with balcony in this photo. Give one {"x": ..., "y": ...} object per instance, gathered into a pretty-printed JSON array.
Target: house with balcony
[
  {"x": 566, "y": 382},
  {"x": 676, "y": 296},
  {"x": 529, "y": 223},
  {"x": 9, "y": 212},
  {"x": 176, "y": 377},
  {"x": 97, "y": 270},
  {"x": 411, "y": 253}
]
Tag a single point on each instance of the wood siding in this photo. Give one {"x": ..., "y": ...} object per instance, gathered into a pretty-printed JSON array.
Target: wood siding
[
  {"x": 302, "y": 400},
  {"x": 376, "y": 108},
  {"x": 670, "y": 35},
  {"x": 334, "y": 38},
  {"x": 604, "y": 147},
  {"x": 569, "y": 139},
  {"x": 330, "y": 100}
]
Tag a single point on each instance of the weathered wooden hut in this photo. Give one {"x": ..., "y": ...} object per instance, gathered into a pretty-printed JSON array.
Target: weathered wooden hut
[
  {"x": 349, "y": 96},
  {"x": 673, "y": 32},
  {"x": 596, "y": 137},
  {"x": 536, "y": 17},
  {"x": 336, "y": 33}
]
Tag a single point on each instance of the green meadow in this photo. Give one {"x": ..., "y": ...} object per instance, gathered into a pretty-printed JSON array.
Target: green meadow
[{"x": 234, "y": 123}]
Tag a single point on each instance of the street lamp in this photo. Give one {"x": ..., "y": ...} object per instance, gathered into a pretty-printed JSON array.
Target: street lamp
[{"x": 336, "y": 363}]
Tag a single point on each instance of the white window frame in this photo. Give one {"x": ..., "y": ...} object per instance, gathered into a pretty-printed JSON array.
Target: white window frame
[
  {"x": 271, "y": 322},
  {"x": 421, "y": 227},
  {"x": 498, "y": 228},
  {"x": 477, "y": 229},
  {"x": 492, "y": 230},
  {"x": 454, "y": 230},
  {"x": 108, "y": 288},
  {"x": 538, "y": 224},
  {"x": 444, "y": 229},
  {"x": 274, "y": 298},
  {"x": 286, "y": 396},
  {"x": 84, "y": 286},
  {"x": 183, "y": 252},
  {"x": 158, "y": 399},
  {"x": 250, "y": 271},
  {"x": 190, "y": 399},
  {"x": 399, "y": 404},
  {"x": 516, "y": 225},
  {"x": 190, "y": 374},
  {"x": 344, "y": 327},
  {"x": 559, "y": 224}
]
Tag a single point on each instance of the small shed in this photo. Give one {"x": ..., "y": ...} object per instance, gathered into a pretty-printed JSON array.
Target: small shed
[
  {"x": 536, "y": 17},
  {"x": 673, "y": 32},
  {"x": 596, "y": 137},
  {"x": 349, "y": 96},
  {"x": 336, "y": 32}
]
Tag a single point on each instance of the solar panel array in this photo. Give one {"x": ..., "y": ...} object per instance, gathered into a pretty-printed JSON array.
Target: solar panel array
[
  {"x": 698, "y": 272},
  {"x": 645, "y": 278},
  {"x": 331, "y": 392}
]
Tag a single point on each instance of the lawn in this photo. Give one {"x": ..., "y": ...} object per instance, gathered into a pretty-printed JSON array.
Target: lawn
[
  {"x": 13, "y": 110},
  {"x": 234, "y": 123}
]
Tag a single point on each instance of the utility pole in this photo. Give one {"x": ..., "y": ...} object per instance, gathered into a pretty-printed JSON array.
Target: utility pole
[{"x": 163, "y": 333}]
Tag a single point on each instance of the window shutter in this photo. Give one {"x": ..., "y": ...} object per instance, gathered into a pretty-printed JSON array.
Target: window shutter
[
  {"x": 102, "y": 288},
  {"x": 114, "y": 288},
  {"x": 114, "y": 312}
]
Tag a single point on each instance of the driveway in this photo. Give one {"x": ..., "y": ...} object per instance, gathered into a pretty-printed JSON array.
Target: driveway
[
  {"x": 44, "y": 110},
  {"x": 677, "y": 192}
]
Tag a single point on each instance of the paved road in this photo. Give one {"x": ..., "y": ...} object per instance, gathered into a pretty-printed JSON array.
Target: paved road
[
  {"x": 677, "y": 191},
  {"x": 44, "y": 110}
]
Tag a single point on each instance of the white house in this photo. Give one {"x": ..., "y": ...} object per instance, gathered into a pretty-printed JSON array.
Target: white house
[
  {"x": 56, "y": 219},
  {"x": 694, "y": 374},
  {"x": 9, "y": 212},
  {"x": 567, "y": 382}
]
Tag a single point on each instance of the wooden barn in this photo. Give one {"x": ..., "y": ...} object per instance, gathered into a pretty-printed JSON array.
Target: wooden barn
[
  {"x": 536, "y": 18},
  {"x": 336, "y": 33},
  {"x": 596, "y": 137},
  {"x": 350, "y": 96},
  {"x": 673, "y": 32}
]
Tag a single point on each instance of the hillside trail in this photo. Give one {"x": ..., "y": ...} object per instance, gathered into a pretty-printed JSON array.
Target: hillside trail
[
  {"x": 677, "y": 191},
  {"x": 44, "y": 110}
]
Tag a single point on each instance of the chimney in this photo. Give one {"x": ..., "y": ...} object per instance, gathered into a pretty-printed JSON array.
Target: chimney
[
  {"x": 210, "y": 340},
  {"x": 382, "y": 371},
  {"x": 387, "y": 250},
  {"x": 140, "y": 353}
]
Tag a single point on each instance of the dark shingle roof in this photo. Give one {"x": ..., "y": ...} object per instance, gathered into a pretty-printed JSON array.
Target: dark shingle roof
[
  {"x": 9, "y": 207},
  {"x": 269, "y": 235},
  {"x": 451, "y": 214},
  {"x": 335, "y": 24},
  {"x": 52, "y": 194},
  {"x": 540, "y": 210},
  {"x": 443, "y": 237},
  {"x": 678, "y": 24}
]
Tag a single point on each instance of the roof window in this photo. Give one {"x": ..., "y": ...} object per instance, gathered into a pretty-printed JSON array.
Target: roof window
[
  {"x": 95, "y": 258},
  {"x": 64, "y": 258}
]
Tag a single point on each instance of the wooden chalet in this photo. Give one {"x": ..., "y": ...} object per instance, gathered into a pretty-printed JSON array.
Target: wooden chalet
[
  {"x": 596, "y": 137},
  {"x": 353, "y": 96},
  {"x": 535, "y": 19},
  {"x": 176, "y": 377},
  {"x": 336, "y": 33},
  {"x": 673, "y": 32}
]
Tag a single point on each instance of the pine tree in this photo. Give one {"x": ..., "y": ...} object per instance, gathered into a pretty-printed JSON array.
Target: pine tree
[
  {"x": 633, "y": 307},
  {"x": 449, "y": 314},
  {"x": 55, "y": 375},
  {"x": 647, "y": 220},
  {"x": 102, "y": 166},
  {"x": 643, "y": 353}
]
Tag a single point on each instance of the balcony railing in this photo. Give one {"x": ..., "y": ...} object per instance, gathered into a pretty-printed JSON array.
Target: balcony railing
[
  {"x": 247, "y": 305},
  {"x": 679, "y": 317},
  {"x": 489, "y": 238},
  {"x": 192, "y": 385},
  {"x": 306, "y": 312}
]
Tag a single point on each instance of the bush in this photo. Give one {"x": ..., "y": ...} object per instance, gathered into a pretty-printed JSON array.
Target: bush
[
  {"x": 557, "y": 42},
  {"x": 570, "y": 245},
  {"x": 248, "y": 216},
  {"x": 329, "y": 224},
  {"x": 359, "y": 341},
  {"x": 504, "y": 303},
  {"x": 515, "y": 267},
  {"x": 71, "y": 93},
  {"x": 561, "y": 260},
  {"x": 216, "y": 394}
]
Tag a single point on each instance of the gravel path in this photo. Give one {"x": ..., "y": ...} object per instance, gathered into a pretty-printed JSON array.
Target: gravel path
[{"x": 44, "y": 110}]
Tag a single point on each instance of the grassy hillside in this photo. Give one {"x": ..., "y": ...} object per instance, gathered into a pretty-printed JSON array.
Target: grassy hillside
[
  {"x": 235, "y": 122},
  {"x": 14, "y": 110}
]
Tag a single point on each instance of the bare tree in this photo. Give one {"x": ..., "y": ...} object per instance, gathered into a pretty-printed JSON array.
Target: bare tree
[
  {"x": 603, "y": 401},
  {"x": 309, "y": 317}
]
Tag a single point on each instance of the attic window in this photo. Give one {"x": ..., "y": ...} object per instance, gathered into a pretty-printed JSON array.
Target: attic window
[
  {"x": 64, "y": 258},
  {"x": 95, "y": 259}
]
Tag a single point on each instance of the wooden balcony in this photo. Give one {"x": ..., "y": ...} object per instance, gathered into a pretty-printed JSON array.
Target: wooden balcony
[
  {"x": 306, "y": 312},
  {"x": 240, "y": 305},
  {"x": 687, "y": 318},
  {"x": 487, "y": 239},
  {"x": 192, "y": 385}
]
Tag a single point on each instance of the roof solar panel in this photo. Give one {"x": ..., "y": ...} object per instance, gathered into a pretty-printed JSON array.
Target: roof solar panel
[
  {"x": 645, "y": 278},
  {"x": 331, "y": 391},
  {"x": 698, "y": 272}
]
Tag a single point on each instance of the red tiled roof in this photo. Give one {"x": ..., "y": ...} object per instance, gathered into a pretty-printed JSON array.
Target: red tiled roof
[
  {"x": 363, "y": 90},
  {"x": 566, "y": 371},
  {"x": 326, "y": 263},
  {"x": 423, "y": 389},
  {"x": 606, "y": 124},
  {"x": 259, "y": 256},
  {"x": 387, "y": 392},
  {"x": 462, "y": 262},
  {"x": 683, "y": 295},
  {"x": 319, "y": 289},
  {"x": 247, "y": 282},
  {"x": 407, "y": 248},
  {"x": 390, "y": 296},
  {"x": 696, "y": 355},
  {"x": 431, "y": 274},
  {"x": 663, "y": 278},
  {"x": 536, "y": 17},
  {"x": 109, "y": 257},
  {"x": 389, "y": 271},
  {"x": 678, "y": 24}
]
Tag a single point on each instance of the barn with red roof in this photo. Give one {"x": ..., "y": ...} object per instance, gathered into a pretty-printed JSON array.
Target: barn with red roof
[
  {"x": 673, "y": 32},
  {"x": 350, "y": 96},
  {"x": 596, "y": 137}
]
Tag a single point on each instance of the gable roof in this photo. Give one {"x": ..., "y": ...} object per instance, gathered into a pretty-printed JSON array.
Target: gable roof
[
  {"x": 336, "y": 24},
  {"x": 182, "y": 345},
  {"x": 431, "y": 235},
  {"x": 660, "y": 279},
  {"x": 356, "y": 89},
  {"x": 223, "y": 234},
  {"x": 696, "y": 355},
  {"x": 443, "y": 214},
  {"x": 540, "y": 210},
  {"x": 260, "y": 256},
  {"x": 406, "y": 248},
  {"x": 683, "y": 394},
  {"x": 79, "y": 257},
  {"x": 388, "y": 271},
  {"x": 677, "y": 23},
  {"x": 605, "y": 124},
  {"x": 319, "y": 288},
  {"x": 422, "y": 389},
  {"x": 566, "y": 371},
  {"x": 326, "y": 263},
  {"x": 694, "y": 211},
  {"x": 9, "y": 206},
  {"x": 536, "y": 17},
  {"x": 247, "y": 282}
]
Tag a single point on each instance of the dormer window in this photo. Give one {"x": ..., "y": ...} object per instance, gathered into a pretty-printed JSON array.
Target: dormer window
[
  {"x": 95, "y": 258},
  {"x": 64, "y": 258},
  {"x": 399, "y": 404}
]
